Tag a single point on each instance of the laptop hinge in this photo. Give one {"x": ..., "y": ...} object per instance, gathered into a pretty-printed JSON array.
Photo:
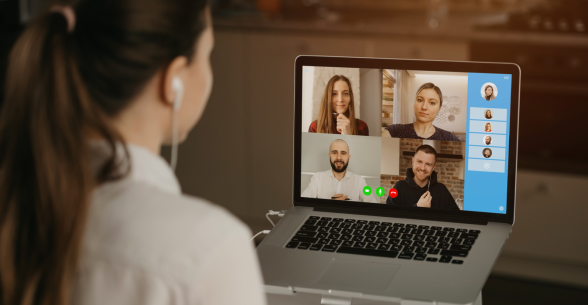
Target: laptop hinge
[{"x": 402, "y": 214}]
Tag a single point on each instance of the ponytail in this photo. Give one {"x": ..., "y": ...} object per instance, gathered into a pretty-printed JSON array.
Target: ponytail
[
  {"x": 63, "y": 87},
  {"x": 45, "y": 174}
]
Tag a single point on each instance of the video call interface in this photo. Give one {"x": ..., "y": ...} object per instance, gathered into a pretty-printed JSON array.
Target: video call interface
[{"x": 426, "y": 139}]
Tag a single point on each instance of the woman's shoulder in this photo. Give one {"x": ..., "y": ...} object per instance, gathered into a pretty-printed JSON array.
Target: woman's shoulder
[
  {"x": 362, "y": 127},
  {"x": 313, "y": 126},
  {"x": 153, "y": 224}
]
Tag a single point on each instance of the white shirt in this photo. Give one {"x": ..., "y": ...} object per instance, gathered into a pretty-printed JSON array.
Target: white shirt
[
  {"x": 325, "y": 185},
  {"x": 146, "y": 243}
]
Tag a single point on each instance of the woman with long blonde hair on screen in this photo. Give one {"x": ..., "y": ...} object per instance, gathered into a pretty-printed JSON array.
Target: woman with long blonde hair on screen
[
  {"x": 489, "y": 93},
  {"x": 337, "y": 110},
  {"x": 90, "y": 213}
]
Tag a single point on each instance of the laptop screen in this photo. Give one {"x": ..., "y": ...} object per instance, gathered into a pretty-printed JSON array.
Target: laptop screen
[{"x": 413, "y": 138}]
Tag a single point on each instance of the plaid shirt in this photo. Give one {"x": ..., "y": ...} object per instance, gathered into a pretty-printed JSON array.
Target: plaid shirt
[{"x": 362, "y": 128}]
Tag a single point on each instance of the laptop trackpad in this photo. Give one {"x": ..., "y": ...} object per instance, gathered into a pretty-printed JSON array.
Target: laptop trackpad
[{"x": 356, "y": 274}]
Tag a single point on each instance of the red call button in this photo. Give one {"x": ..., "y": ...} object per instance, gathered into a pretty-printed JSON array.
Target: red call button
[{"x": 393, "y": 193}]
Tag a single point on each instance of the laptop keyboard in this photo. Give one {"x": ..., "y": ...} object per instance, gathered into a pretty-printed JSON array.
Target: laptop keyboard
[{"x": 384, "y": 239}]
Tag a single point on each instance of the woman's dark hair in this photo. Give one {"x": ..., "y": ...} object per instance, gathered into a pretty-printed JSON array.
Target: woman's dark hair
[
  {"x": 62, "y": 89},
  {"x": 431, "y": 86},
  {"x": 326, "y": 122}
]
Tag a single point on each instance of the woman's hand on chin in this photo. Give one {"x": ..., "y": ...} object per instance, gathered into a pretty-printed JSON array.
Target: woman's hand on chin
[{"x": 343, "y": 124}]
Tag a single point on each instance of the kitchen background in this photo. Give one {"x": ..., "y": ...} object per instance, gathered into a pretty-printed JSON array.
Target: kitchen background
[{"x": 240, "y": 154}]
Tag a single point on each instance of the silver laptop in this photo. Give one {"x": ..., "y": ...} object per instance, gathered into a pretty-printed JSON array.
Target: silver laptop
[{"x": 404, "y": 179}]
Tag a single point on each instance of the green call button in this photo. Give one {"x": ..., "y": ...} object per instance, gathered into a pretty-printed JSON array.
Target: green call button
[{"x": 367, "y": 190}]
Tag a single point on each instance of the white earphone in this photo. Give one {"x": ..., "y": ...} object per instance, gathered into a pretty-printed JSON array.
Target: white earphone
[{"x": 178, "y": 86}]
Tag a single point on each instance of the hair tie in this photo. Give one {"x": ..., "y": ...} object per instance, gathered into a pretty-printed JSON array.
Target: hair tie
[{"x": 69, "y": 15}]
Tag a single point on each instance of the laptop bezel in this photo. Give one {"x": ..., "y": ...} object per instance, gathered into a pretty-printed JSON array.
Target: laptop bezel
[{"x": 408, "y": 64}]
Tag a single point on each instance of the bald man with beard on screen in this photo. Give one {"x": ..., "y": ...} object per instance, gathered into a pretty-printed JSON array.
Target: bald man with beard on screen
[
  {"x": 420, "y": 187},
  {"x": 338, "y": 183}
]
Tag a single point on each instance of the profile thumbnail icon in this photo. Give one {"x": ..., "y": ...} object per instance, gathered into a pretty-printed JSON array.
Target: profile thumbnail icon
[
  {"x": 488, "y": 114},
  {"x": 488, "y": 127},
  {"x": 487, "y": 152},
  {"x": 489, "y": 91},
  {"x": 487, "y": 140}
]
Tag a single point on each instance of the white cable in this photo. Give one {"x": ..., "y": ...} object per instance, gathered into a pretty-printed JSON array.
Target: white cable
[
  {"x": 262, "y": 232},
  {"x": 270, "y": 212},
  {"x": 174, "y": 152}
]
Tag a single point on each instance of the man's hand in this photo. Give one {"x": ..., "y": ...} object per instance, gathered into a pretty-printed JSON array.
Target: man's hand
[
  {"x": 339, "y": 197},
  {"x": 425, "y": 200},
  {"x": 343, "y": 124}
]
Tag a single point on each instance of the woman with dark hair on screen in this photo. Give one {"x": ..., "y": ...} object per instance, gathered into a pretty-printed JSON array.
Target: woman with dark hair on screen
[
  {"x": 337, "y": 110},
  {"x": 428, "y": 102},
  {"x": 488, "y": 114},
  {"x": 89, "y": 211},
  {"x": 489, "y": 93},
  {"x": 488, "y": 127}
]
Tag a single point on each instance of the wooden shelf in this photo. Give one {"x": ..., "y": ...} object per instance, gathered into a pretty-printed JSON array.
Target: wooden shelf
[{"x": 447, "y": 156}]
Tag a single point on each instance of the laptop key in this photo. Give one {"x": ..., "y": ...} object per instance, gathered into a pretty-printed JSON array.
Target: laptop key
[
  {"x": 360, "y": 245},
  {"x": 349, "y": 220},
  {"x": 382, "y": 240},
  {"x": 456, "y": 241},
  {"x": 443, "y": 246},
  {"x": 310, "y": 222},
  {"x": 314, "y": 218},
  {"x": 399, "y": 225},
  {"x": 387, "y": 224},
  {"x": 420, "y": 257},
  {"x": 429, "y": 232},
  {"x": 475, "y": 231},
  {"x": 370, "y": 252},
  {"x": 324, "y": 241},
  {"x": 431, "y": 259},
  {"x": 418, "y": 238},
  {"x": 405, "y": 243},
  {"x": 309, "y": 228},
  {"x": 323, "y": 235},
  {"x": 334, "y": 224},
  {"x": 334, "y": 236},
  {"x": 346, "y": 237},
  {"x": 444, "y": 240},
  {"x": 371, "y": 233},
  {"x": 306, "y": 233},
  {"x": 335, "y": 242},
  {"x": 329, "y": 248},
  {"x": 359, "y": 232},
  {"x": 371, "y": 239},
  {"x": 424, "y": 227},
  {"x": 392, "y": 229},
  {"x": 304, "y": 246},
  {"x": 431, "y": 245},
  {"x": 420, "y": 250},
  {"x": 404, "y": 230},
  {"x": 369, "y": 227},
  {"x": 383, "y": 234},
  {"x": 338, "y": 219},
  {"x": 418, "y": 243},
  {"x": 316, "y": 247},
  {"x": 371, "y": 246},
  {"x": 357, "y": 238},
  {"x": 436, "y": 228},
  {"x": 347, "y": 231},
  {"x": 461, "y": 230},
  {"x": 431, "y": 238},
  {"x": 468, "y": 235},
  {"x": 395, "y": 248},
  {"x": 457, "y": 261},
  {"x": 324, "y": 229},
  {"x": 395, "y": 235},
  {"x": 445, "y": 259},
  {"x": 362, "y": 221},
  {"x": 418, "y": 231},
  {"x": 454, "y": 253},
  {"x": 326, "y": 218},
  {"x": 383, "y": 247},
  {"x": 304, "y": 239},
  {"x": 322, "y": 223},
  {"x": 406, "y": 236},
  {"x": 408, "y": 249},
  {"x": 469, "y": 241},
  {"x": 345, "y": 225},
  {"x": 449, "y": 229},
  {"x": 357, "y": 226},
  {"x": 433, "y": 251},
  {"x": 292, "y": 244},
  {"x": 411, "y": 226},
  {"x": 441, "y": 233},
  {"x": 381, "y": 228},
  {"x": 406, "y": 255},
  {"x": 336, "y": 230},
  {"x": 347, "y": 244},
  {"x": 453, "y": 234},
  {"x": 394, "y": 241}
]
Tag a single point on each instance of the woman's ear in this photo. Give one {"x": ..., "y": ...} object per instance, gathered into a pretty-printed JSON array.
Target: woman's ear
[{"x": 174, "y": 70}]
